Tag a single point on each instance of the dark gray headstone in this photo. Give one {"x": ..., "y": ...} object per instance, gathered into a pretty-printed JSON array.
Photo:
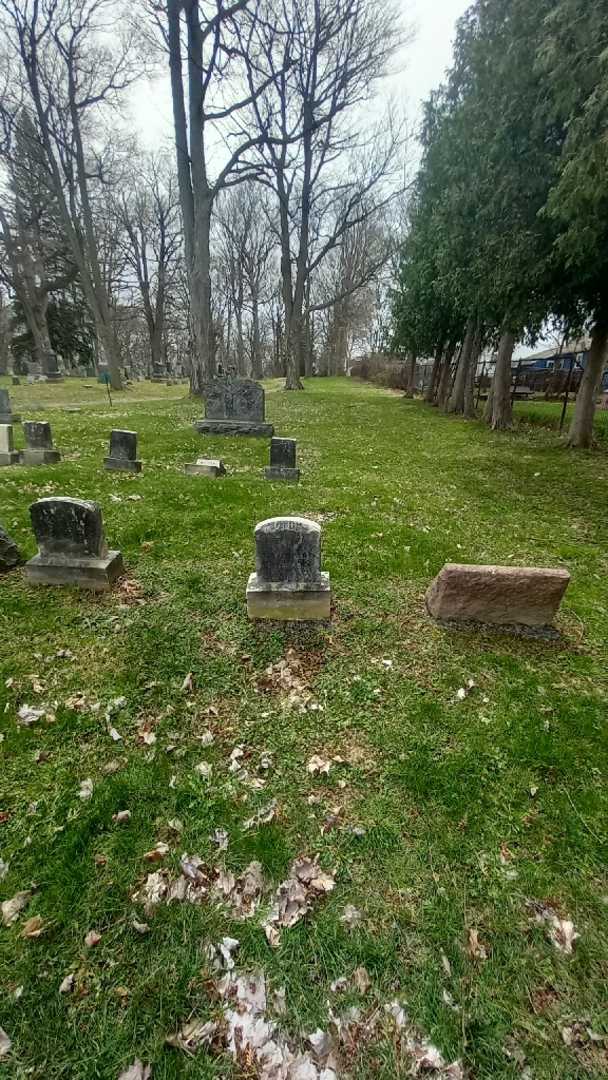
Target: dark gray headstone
[
  {"x": 288, "y": 549},
  {"x": 9, "y": 552},
  {"x": 283, "y": 453},
  {"x": 69, "y": 527},
  {"x": 234, "y": 399},
  {"x": 123, "y": 444},
  {"x": 7, "y": 416},
  {"x": 50, "y": 367},
  {"x": 16, "y": 380},
  {"x": 72, "y": 546},
  {"x": 38, "y": 434}
]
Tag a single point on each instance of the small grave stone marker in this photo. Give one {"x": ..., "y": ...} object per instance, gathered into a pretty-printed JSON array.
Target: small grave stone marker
[
  {"x": 206, "y": 467},
  {"x": 9, "y": 552},
  {"x": 39, "y": 444},
  {"x": 50, "y": 366},
  {"x": 234, "y": 407},
  {"x": 71, "y": 546},
  {"x": 16, "y": 380},
  {"x": 8, "y": 454},
  {"x": 7, "y": 416},
  {"x": 123, "y": 452},
  {"x": 288, "y": 583},
  {"x": 282, "y": 461},
  {"x": 497, "y": 595}
]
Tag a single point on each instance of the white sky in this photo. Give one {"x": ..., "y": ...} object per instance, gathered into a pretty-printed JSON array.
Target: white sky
[{"x": 418, "y": 69}]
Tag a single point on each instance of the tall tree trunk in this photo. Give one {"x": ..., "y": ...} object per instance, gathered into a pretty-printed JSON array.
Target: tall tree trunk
[
  {"x": 468, "y": 408},
  {"x": 502, "y": 409},
  {"x": 456, "y": 400},
  {"x": 429, "y": 394},
  {"x": 199, "y": 273},
  {"x": 256, "y": 352},
  {"x": 445, "y": 379},
  {"x": 580, "y": 435},
  {"x": 411, "y": 376}
]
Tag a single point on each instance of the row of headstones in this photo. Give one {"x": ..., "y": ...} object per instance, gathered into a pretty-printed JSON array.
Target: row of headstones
[
  {"x": 288, "y": 583},
  {"x": 39, "y": 450}
]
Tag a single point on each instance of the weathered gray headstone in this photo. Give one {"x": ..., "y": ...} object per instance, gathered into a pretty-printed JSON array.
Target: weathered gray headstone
[
  {"x": 282, "y": 461},
  {"x": 159, "y": 373},
  {"x": 234, "y": 407},
  {"x": 7, "y": 416},
  {"x": 71, "y": 546},
  {"x": 9, "y": 552},
  {"x": 206, "y": 467},
  {"x": 497, "y": 595},
  {"x": 288, "y": 583},
  {"x": 123, "y": 452},
  {"x": 39, "y": 444},
  {"x": 50, "y": 367},
  {"x": 16, "y": 380},
  {"x": 8, "y": 454}
]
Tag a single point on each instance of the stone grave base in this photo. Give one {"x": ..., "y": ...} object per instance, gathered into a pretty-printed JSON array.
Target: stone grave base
[
  {"x": 54, "y": 376},
  {"x": 497, "y": 595},
  {"x": 203, "y": 467},
  {"x": 9, "y": 457},
  {"x": 95, "y": 574},
  {"x": 275, "y": 472},
  {"x": 115, "y": 464},
  {"x": 234, "y": 427},
  {"x": 40, "y": 457},
  {"x": 287, "y": 601}
]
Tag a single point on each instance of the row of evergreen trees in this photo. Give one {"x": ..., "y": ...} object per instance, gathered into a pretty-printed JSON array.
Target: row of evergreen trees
[{"x": 509, "y": 219}]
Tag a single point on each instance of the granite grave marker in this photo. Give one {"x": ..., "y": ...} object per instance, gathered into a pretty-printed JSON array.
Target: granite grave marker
[
  {"x": 39, "y": 444},
  {"x": 123, "y": 452},
  {"x": 282, "y": 461},
  {"x": 71, "y": 546},
  {"x": 234, "y": 407},
  {"x": 7, "y": 416},
  {"x": 8, "y": 454},
  {"x": 288, "y": 583}
]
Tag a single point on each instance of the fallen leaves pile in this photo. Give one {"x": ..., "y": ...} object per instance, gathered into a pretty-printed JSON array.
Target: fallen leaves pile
[
  {"x": 294, "y": 897},
  {"x": 287, "y": 677},
  {"x": 562, "y": 932},
  {"x": 198, "y": 884}
]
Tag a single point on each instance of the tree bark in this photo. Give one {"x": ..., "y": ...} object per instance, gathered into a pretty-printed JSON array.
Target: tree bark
[
  {"x": 501, "y": 416},
  {"x": 443, "y": 390},
  {"x": 468, "y": 409},
  {"x": 411, "y": 376},
  {"x": 429, "y": 394},
  {"x": 580, "y": 435},
  {"x": 456, "y": 400}
]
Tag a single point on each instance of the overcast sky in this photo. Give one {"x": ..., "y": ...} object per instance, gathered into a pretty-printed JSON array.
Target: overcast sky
[{"x": 417, "y": 70}]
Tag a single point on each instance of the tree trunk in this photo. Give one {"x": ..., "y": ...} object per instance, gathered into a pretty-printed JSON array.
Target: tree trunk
[
  {"x": 468, "y": 410},
  {"x": 256, "y": 357},
  {"x": 501, "y": 418},
  {"x": 443, "y": 390},
  {"x": 580, "y": 435},
  {"x": 429, "y": 394},
  {"x": 411, "y": 376},
  {"x": 199, "y": 273},
  {"x": 456, "y": 400}
]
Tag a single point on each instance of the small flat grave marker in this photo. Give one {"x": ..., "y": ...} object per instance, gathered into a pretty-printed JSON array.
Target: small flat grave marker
[{"x": 206, "y": 467}]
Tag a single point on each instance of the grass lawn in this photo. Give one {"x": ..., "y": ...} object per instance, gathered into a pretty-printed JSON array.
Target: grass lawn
[
  {"x": 548, "y": 414},
  {"x": 453, "y": 825}
]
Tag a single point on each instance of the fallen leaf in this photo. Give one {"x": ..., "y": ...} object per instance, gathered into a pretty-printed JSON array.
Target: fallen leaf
[
  {"x": 351, "y": 916},
  {"x": 11, "y": 909},
  {"x": 361, "y": 980},
  {"x": 204, "y": 769},
  {"x": 5, "y": 1043},
  {"x": 318, "y": 764},
  {"x": 86, "y": 790},
  {"x": 68, "y": 984},
  {"x": 295, "y": 897},
  {"x": 33, "y": 928},
  {"x": 137, "y": 1071},
  {"x": 157, "y": 853},
  {"x": 188, "y": 684},
  {"x": 93, "y": 938},
  {"x": 475, "y": 948},
  {"x": 29, "y": 715},
  {"x": 3, "y": 869},
  {"x": 140, "y": 927},
  {"x": 193, "y": 1035},
  {"x": 121, "y": 817}
]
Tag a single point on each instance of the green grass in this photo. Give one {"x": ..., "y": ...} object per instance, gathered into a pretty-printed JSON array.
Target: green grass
[
  {"x": 440, "y": 786},
  {"x": 548, "y": 414}
]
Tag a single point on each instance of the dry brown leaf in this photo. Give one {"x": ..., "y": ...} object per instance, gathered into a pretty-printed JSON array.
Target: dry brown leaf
[
  {"x": 33, "y": 928},
  {"x": 5, "y": 1043},
  {"x": 475, "y": 947},
  {"x": 11, "y": 909},
  {"x": 92, "y": 939},
  {"x": 68, "y": 984},
  {"x": 137, "y": 1071}
]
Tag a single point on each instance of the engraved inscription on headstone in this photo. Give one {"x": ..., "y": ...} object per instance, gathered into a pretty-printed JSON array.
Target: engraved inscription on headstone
[{"x": 206, "y": 467}]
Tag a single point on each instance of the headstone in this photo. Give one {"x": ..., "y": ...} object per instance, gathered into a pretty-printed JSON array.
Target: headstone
[
  {"x": 9, "y": 552},
  {"x": 497, "y": 595},
  {"x": 16, "y": 380},
  {"x": 39, "y": 444},
  {"x": 288, "y": 583},
  {"x": 8, "y": 454},
  {"x": 282, "y": 461},
  {"x": 71, "y": 546},
  {"x": 33, "y": 367},
  {"x": 234, "y": 407},
  {"x": 7, "y": 416},
  {"x": 123, "y": 452},
  {"x": 159, "y": 373},
  {"x": 50, "y": 367},
  {"x": 206, "y": 467}
]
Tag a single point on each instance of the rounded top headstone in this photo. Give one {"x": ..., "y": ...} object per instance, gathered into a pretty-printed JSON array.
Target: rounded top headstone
[
  {"x": 288, "y": 549},
  {"x": 68, "y": 527}
]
